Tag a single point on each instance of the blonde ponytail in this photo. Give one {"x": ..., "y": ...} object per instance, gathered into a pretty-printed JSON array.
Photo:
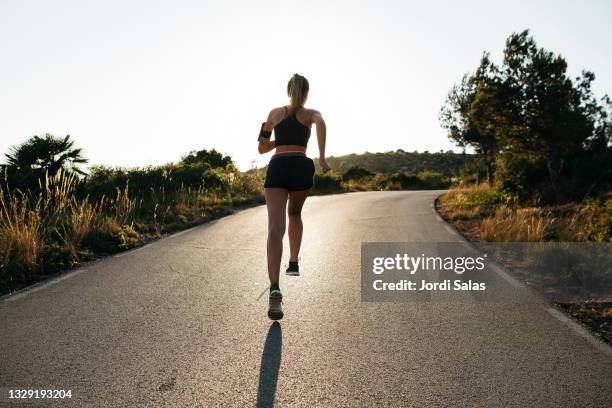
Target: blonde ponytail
[{"x": 297, "y": 88}]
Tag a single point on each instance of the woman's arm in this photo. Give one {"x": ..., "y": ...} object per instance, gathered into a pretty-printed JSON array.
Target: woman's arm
[
  {"x": 317, "y": 119},
  {"x": 265, "y": 144}
]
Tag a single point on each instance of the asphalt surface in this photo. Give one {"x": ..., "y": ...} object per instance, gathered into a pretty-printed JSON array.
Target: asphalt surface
[{"x": 180, "y": 322}]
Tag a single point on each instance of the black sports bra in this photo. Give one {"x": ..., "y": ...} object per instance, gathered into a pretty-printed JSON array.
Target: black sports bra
[{"x": 290, "y": 131}]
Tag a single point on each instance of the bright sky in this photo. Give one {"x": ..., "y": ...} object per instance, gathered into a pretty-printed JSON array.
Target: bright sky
[{"x": 144, "y": 82}]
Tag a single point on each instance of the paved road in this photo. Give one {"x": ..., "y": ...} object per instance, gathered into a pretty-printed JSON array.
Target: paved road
[{"x": 179, "y": 323}]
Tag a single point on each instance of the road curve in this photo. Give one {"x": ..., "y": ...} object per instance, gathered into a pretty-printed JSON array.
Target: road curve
[{"x": 180, "y": 323}]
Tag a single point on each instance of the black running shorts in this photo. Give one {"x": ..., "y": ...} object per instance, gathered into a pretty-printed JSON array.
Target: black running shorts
[{"x": 291, "y": 171}]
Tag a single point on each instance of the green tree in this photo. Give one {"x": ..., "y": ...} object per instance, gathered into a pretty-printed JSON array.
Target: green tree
[
  {"x": 471, "y": 111},
  {"x": 212, "y": 157},
  {"x": 530, "y": 111},
  {"x": 556, "y": 116},
  {"x": 356, "y": 173}
]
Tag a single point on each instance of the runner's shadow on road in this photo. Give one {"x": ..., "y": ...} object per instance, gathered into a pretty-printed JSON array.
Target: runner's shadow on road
[{"x": 270, "y": 363}]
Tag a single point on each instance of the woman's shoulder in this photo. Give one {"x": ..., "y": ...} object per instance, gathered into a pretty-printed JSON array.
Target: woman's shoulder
[
  {"x": 312, "y": 112},
  {"x": 276, "y": 111},
  {"x": 276, "y": 114}
]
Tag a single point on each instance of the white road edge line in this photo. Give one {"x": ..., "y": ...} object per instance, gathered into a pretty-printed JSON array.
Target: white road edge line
[
  {"x": 497, "y": 269},
  {"x": 506, "y": 276},
  {"x": 569, "y": 322},
  {"x": 439, "y": 218},
  {"x": 133, "y": 250},
  {"x": 26, "y": 292},
  {"x": 581, "y": 331},
  {"x": 182, "y": 232},
  {"x": 449, "y": 229},
  {"x": 130, "y": 251}
]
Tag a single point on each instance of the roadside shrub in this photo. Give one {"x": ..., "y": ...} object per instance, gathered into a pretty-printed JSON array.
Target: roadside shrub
[
  {"x": 488, "y": 198},
  {"x": 473, "y": 201},
  {"x": 434, "y": 180},
  {"x": 489, "y": 215},
  {"x": 356, "y": 173},
  {"x": 473, "y": 172},
  {"x": 327, "y": 183},
  {"x": 590, "y": 221},
  {"x": 406, "y": 182},
  {"x": 380, "y": 182},
  {"x": 110, "y": 237},
  {"x": 523, "y": 178}
]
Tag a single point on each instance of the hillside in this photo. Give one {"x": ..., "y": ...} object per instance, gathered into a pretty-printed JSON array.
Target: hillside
[{"x": 447, "y": 163}]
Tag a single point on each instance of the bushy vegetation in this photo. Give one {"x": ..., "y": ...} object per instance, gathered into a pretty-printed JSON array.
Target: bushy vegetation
[
  {"x": 447, "y": 163},
  {"x": 54, "y": 214},
  {"x": 359, "y": 179},
  {"x": 543, "y": 167},
  {"x": 487, "y": 214},
  {"x": 543, "y": 145}
]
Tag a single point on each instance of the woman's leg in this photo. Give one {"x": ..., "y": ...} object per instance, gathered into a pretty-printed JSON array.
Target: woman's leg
[
  {"x": 276, "y": 202},
  {"x": 296, "y": 202}
]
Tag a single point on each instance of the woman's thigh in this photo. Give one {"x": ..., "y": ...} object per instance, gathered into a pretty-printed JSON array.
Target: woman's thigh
[
  {"x": 296, "y": 201},
  {"x": 276, "y": 202}
]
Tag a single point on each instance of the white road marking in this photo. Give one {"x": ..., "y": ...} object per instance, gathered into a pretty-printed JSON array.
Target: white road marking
[
  {"x": 181, "y": 233},
  {"x": 26, "y": 292},
  {"x": 469, "y": 247},
  {"x": 506, "y": 276},
  {"x": 439, "y": 218},
  {"x": 129, "y": 251},
  {"x": 449, "y": 229},
  {"x": 581, "y": 331}
]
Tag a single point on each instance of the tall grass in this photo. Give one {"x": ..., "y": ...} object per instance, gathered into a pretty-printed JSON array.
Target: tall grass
[
  {"x": 21, "y": 236},
  {"x": 50, "y": 226},
  {"x": 517, "y": 225},
  {"x": 492, "y": 216},
  {"x": 59, "y": 224}
]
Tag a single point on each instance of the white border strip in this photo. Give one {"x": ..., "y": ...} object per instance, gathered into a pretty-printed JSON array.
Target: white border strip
[
  {"x": 26, "y": 292},
  {"x": 449, "y": 229},
  {"x": 581, "y": 331},
  {"x": 560, "y": 316},
  {"x": 510, "y": 279},
  {"x": 181, "y": 232}
]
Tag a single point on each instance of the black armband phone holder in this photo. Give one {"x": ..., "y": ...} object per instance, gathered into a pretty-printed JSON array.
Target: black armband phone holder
[{"x": 264, "y": 133}]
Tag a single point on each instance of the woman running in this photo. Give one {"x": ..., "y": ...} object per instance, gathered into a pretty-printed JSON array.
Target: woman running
[{"x": 289, "y": 178}]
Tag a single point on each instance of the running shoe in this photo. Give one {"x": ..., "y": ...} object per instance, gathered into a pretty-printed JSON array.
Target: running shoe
[
  {"x": 275, "y": 310},
  {"x": 293, "y": 269}
]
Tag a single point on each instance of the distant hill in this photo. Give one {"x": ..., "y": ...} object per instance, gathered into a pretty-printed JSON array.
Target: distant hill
[{"x": 447, "y": 163}]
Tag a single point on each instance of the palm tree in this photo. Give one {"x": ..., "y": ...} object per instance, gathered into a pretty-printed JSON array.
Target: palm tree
[
  {"x": 48, "y": 153},
  {"x": 39, "y": 156}
]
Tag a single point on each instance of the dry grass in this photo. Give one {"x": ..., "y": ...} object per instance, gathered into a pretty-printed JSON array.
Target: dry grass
[
  {"x": 516, "y": 225},
  {"x": 55, "y": 228},
  {"x": 484, "y": 214},
  {"x": 81, "y": 223},
  {"x": 473, "y": 201},
  {"x": 21, "y": 235},
  {"x": 590, "y": 221},
  {"x": 54, "y": 218}
]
